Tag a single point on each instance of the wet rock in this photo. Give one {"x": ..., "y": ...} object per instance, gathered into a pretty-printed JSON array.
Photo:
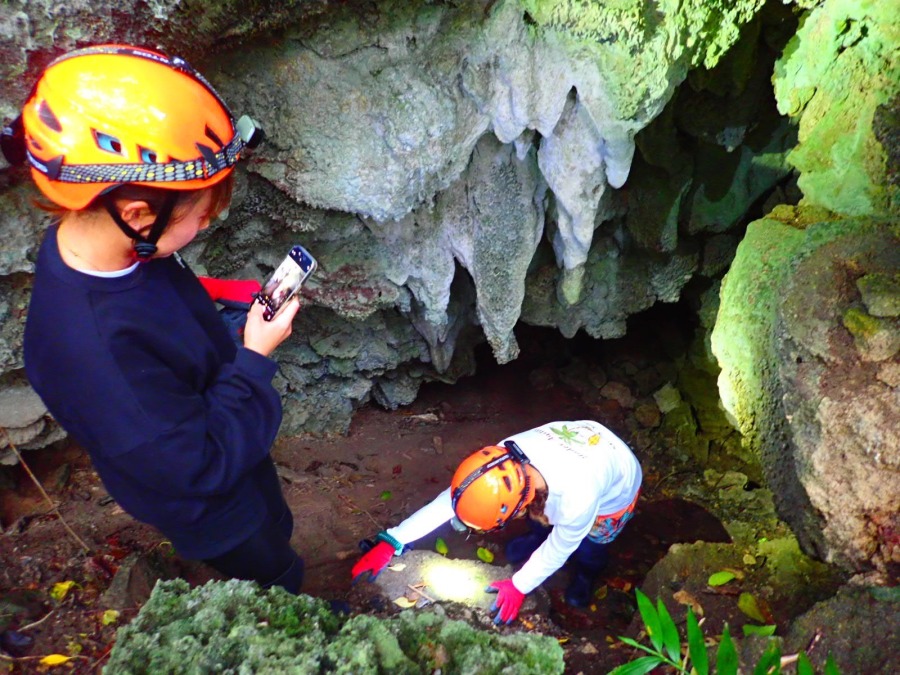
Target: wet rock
[
  {"x": 788, "y": 580},
  {"x": 876, "y": 338},
  {"x": 619, "y": 392},
  {"x": 816, "y": 414},
  {"x": 648, "y": 415},
  {"x": 859, "y": 627},
  {"x": 24, "y": 419},
  {"x": 448, "y": 580},
  {"x": 880, "y": 294},
  {"x": 667, "y": 398},
  {"x": 20, "y": 407},
  {"x": 889, "y": 373},
  {"x": 135, "y": 579}
]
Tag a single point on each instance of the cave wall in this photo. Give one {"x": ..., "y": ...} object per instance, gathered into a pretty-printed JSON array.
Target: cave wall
[
  {"x": 455, "y": 167},
  {"x": 808, "y": 331},
  {"x": 458, "y": 167}
]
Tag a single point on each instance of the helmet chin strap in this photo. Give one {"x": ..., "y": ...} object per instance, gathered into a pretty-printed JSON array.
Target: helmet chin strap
[{"x": 144, "y": 247}]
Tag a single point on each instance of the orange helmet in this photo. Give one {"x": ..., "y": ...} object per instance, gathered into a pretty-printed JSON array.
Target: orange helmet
[
  {"x": 113, "y": 114},
  {"x": 491, "y": 486}
]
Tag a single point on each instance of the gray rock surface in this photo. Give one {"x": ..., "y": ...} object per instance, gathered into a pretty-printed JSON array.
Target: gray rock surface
[{"x": 845, "y": 422}]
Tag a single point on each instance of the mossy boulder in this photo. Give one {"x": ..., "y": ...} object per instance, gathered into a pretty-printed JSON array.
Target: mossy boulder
[
  {"x": 839, "y": 78},
  {"x": 236, "y": 627},
  {"x": 802, "y": 381}
]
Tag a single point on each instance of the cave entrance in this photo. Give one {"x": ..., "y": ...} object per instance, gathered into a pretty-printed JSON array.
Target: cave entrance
[
  {"x": 613, "y": 382},
  {"x": 393, "y": 462}
]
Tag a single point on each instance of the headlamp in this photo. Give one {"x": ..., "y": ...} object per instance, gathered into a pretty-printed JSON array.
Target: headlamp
[
  {"x": 458, "y": 525},
  {"x": 250, "y": 131}
]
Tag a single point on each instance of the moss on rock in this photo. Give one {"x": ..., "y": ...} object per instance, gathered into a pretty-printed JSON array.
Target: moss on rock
[
  {"x": 840, "y": 78},
  {"x": 236, "y": 627}
]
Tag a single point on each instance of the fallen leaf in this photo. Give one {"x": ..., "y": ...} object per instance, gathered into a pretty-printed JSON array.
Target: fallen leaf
[
  {"x": 765, "y": 631},
  {"x": 399, "y": 567},
  {"x": 397, "y": 470},
  {"x": 386, "y": 495},
  {"x": 484, "y": 555},
  {"x": 110, "y": 616},
  {"x": 441, "y": 546},
  {"x": 601, "y": 592},
  {"x": 748, "y": 605},
  {"x": 620, "y": 583},
  {"x": 61, "y": 589},
  {"x": 720, "y": 578},
  {"x": 55, "y": 660},
  {"x": 684, "y": 598},
  {"x": 404, "y": 602}
]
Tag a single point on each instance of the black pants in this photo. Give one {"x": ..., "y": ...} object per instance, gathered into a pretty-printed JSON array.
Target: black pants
[
  {"x": 590, "y": 556},
  {"x": 266, "y": 556}
]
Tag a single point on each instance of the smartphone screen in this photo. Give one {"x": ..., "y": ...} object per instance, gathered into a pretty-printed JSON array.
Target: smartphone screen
[{"x": 286, "y": 280}]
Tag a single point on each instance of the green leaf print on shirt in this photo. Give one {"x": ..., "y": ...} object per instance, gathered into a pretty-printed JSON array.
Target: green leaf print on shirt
[{"x": 567, "y": 434}]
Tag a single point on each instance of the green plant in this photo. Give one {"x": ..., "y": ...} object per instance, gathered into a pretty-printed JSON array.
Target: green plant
[{"x": 666, "y": 648}]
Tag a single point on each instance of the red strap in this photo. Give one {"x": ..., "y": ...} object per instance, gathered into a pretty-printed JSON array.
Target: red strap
[{"x": 236, "y": 290}]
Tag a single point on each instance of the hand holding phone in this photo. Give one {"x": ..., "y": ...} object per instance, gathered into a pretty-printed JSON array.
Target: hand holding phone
[
  {"x": 264, "y": 337},
  {"x": 286, "y": 280}
]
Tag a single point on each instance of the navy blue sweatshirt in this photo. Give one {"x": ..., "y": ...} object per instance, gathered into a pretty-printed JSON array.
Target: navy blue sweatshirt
[{"x": 140, "y": 370}]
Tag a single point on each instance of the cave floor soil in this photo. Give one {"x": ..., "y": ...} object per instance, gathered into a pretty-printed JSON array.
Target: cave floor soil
[{"x": 341, "y": 490}]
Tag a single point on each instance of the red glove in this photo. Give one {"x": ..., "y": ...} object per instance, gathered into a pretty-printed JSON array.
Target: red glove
[
  {"x": 236, "y": 290},
  {"x": 509, "y": 600},
  {"x": 373, "y": 562}
]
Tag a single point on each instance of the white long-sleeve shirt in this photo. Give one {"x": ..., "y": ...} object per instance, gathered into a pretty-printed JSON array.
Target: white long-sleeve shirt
[{"x": 589, "y": 471}]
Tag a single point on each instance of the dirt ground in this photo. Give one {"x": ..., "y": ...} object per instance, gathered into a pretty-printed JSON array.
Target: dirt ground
[{"x": 345, "y": 489}]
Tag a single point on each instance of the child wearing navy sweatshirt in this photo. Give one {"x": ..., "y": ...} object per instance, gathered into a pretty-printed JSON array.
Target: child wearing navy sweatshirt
[{"x": 135, "y": 152}]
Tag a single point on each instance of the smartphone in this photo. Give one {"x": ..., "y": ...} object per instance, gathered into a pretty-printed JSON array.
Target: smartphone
[{"x": 286, "y": 280}]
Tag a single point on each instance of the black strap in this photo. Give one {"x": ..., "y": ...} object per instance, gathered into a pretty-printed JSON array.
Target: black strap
[
  {"x": 144, "y": 247},
  {"x": 513, "y": 453}
]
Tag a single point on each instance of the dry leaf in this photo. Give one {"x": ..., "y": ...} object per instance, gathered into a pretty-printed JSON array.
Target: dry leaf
[
  {"x": 398, "y": 567},
  {"x": 404, "y": 602},
  {"x": 684, "y": 598},
  {"x": 55, "y": 660}
]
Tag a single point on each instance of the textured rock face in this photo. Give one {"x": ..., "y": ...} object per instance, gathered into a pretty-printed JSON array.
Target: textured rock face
[
  {"x": 844, "y": 416},
  {"x": 807, "y": 332},
  {"x": 456, "y": 168},
  {"x": 840, "y": 78},
  {"x": 817, "y": 404}
]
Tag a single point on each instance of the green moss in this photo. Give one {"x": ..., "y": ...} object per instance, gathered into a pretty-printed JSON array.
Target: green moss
[
  {"x": 641, "y": 47},
  {"x": 860, "y": 324},
  {"x": 742, "y": 339},
  {"x": 839, "y": 74},
  {"x": 881, "y": 294},
  {"x": 236, "y": 627}
]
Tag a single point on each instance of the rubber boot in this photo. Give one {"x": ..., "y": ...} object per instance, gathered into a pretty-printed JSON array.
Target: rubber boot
[
  {"x": 589, "y": 560},
  {"x": 520, "y": 549},
  {"x": 292, "y": 579},
  {"x": 581, "y": 586}
]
